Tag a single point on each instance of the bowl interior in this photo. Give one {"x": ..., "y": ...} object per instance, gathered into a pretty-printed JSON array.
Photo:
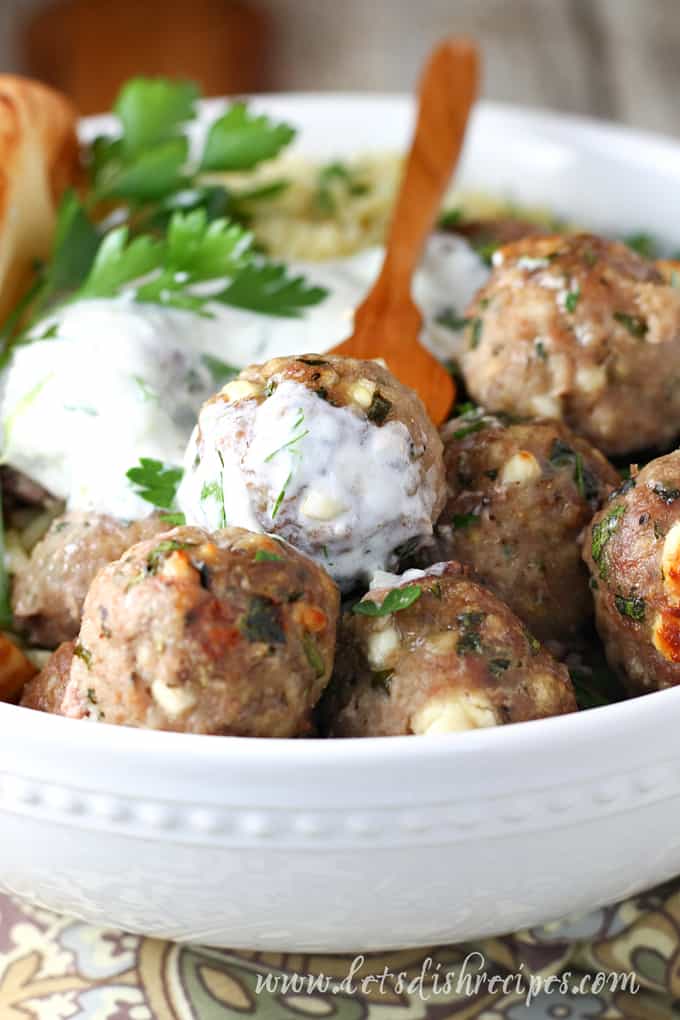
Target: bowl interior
[{"x": 608, "y": 178}]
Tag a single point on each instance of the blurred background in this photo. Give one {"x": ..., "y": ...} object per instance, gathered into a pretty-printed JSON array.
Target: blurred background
[{"x": 610, "y": 58}]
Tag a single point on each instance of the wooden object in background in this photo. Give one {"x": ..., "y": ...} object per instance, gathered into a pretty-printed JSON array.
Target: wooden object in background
[
  {"x": 388, "y": 323},
  {"x": 87, "y": 48}
]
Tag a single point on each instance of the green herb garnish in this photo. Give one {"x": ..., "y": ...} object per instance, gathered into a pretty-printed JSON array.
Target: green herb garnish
[
  {"x": 174, "y": 520},
  {"x": 460, "y": 521},
  {"x": 602, "y": 532},
  {"x": 149, "y": 172},
  {"x": 281, "y": 496},
  {"x": 262, "y": 622},
  {"x": 589, "y": 686},
  {"x": 561, "y": 455},
  {"x": 486, "y": 251},
  {"x": 240, "y": 140},
  {"x": 83, "y": 653},
  {"x": 150, "y": 159},
  {"x": 449, "y": 318},
  {"x": 475, "y": 332},
  {"x": 160, "y": 552},
  {"x": 470, "y": 640},
  {"x": 643, "y": 244},
  {"x": 450, "y": 218},
  {"x": 474, "y": 419},
  {"x": 632, "y": 607},
  {"x": 635, "y": 324},
  {"x": 264, "y": 556},
  {"x": 313, "y": 655},
  {"x": 394, "y": 602},
  {"x": 155, "y": 482},
  {"x": 296, "y": 438},
  {"x": 335, "y": 178},
  {"x": 215, "y": 491},
  {"x": 571, "y": 300},
  {"x": 267, "y": 288}
]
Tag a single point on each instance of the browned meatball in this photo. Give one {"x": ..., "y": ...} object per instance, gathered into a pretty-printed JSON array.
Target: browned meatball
[
  {"x": 633, "y": 551},
  {"x": 18, "y": 490},
  {"x": 48, "y": 594},
  {"x": 331, "y": 453},
  {"x": 486, "y": 235},
  {"x": 45, "y": 692},
  {"x": 230, "y": 633},
  {"x": 580, "y": 329},
  {"x": 447, "y": 656},
  {"x": 519, "y": 498}
]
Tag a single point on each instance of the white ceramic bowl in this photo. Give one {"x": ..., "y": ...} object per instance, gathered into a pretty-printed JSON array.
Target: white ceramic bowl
[{"x": 377, "y": 843}]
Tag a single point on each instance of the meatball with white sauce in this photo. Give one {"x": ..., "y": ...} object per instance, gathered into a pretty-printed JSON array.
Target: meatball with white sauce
[
  {"x": 633, "y": 551},
  {"x": 520, "y": 496},
  {"x": 226, "y": 633},
  {"x": 438, "y": 653},
  {"x": 331, "y": 453},
  {"x": 583, "y": 330}
]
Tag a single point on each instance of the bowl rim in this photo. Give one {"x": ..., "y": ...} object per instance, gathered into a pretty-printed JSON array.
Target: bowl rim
[
  {"x": 586, "y": 127},
  {"x": 616, "y": 723},
  {"x": 612, "y": 723}
]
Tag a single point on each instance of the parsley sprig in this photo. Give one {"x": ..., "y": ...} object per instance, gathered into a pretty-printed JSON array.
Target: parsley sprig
[
  {"x": 394, "y": 602},
  {"x": 151, "y": 158},
  {"x": 153, "y": 225},
  {"x": 155, "y": 482}
]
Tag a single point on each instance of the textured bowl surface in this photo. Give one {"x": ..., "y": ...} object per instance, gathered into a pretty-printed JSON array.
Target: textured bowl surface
[{"x": 369, "y": 844}]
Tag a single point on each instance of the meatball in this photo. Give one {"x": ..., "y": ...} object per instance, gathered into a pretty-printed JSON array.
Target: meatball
[
  {"x": 580, "y": 329},
  {"x": 438, "y": 654},
  {"x": 45, "y": 692},
  {"x": 229, "y": 633},
  {"x": 18, "y": 490},
  {"x": 519, "y": 498},
  {"x": 331, "y": 453},
  {"x": 48, "y": 594},
  {"x": 632, "y": 548},
  {"x": 486, "y": 235}
]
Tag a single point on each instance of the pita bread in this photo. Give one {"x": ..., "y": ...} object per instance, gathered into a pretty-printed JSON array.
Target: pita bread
[{"x": 39, "y": 159}]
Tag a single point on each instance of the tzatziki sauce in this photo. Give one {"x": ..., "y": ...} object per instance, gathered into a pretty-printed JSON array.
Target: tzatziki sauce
[{"x": 121, "y": 380}]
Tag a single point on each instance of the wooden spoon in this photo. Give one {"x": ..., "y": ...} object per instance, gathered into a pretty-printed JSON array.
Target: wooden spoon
[{"x": 387, "y": 324}]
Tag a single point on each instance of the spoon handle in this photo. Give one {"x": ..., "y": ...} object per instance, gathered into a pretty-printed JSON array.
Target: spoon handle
[{"x": 448, "y": 88}]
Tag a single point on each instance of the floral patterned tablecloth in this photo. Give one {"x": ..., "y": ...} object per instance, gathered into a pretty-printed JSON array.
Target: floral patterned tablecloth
[{"x": 54, "y": 968}]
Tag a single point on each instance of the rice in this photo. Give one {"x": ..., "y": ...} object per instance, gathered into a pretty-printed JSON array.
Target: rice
[{"x": 329, "y": 210}]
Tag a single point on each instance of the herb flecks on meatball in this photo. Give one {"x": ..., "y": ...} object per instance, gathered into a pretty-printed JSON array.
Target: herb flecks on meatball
[
  {"x": 633, "y": 551},
  {"x": 331, "y": 453},
  {"x": 224, "y": 633},
  {"x": 48, "y": 593},
  {"x": 519, "y": 498},
  {"x": 438, "y": 653},
  {"x": 580, "y": 329}
]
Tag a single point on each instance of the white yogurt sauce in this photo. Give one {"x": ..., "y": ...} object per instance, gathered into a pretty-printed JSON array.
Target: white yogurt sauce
[
  {"x": 334, "y": 484},
  {"x": 123, "y": 380},
  {"x": 385, "y": 579}
]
